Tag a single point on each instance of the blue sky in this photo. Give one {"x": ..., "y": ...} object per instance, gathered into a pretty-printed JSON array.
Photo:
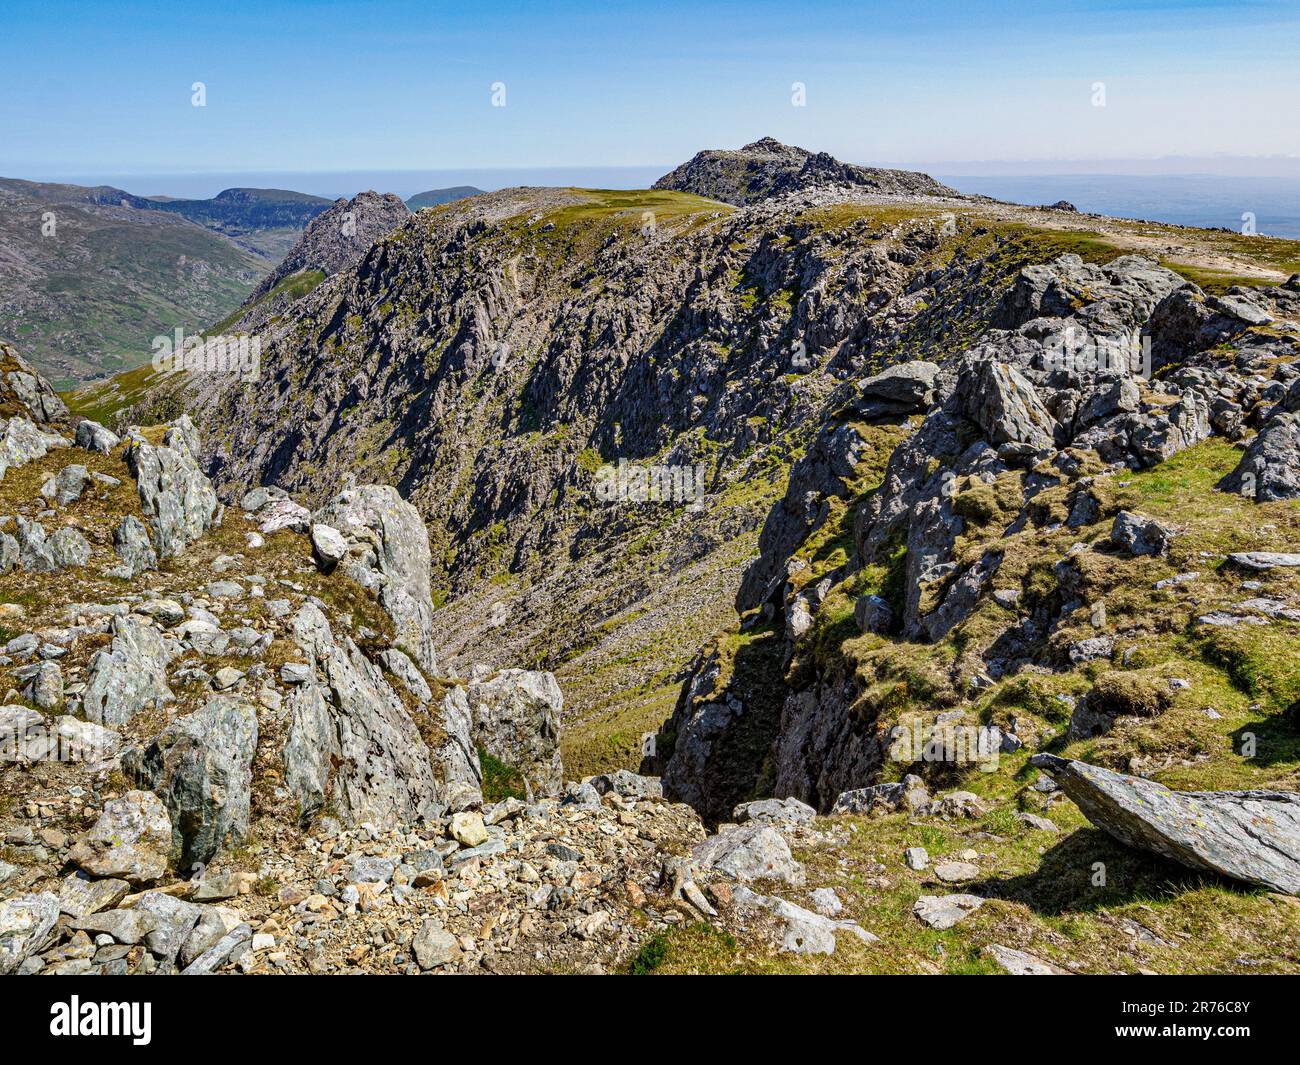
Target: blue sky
[{"x": 387, "y": 84}]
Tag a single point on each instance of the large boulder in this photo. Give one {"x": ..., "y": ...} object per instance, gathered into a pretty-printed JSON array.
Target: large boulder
[
  {"x": 131, "y": 841},
  {"x": 903, "y": 389},
  {"x": 1252, "y": 836},
  {"x": 351, "y": 742},
  {"x": 516, "y": 716},
  {"x": 753, "y": 851},
  {"x": 177, "y": 498},
  {"x": 388, "y": 553},
  {"x": 132, "y": 675},
  {"x": 22, "y": 442},
  {"x": 1004, "y": 404},
  {"x": 201, "y": 767},
  {"x": 1270, "y": 468}
]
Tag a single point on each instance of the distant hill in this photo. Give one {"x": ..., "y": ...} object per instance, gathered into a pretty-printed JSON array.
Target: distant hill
[
  {"x": 270, "y": 220},
  {"x": 768, "y": 168},
  {"x": 434, "y": 197},
  {"x": 90, "y": 275}
]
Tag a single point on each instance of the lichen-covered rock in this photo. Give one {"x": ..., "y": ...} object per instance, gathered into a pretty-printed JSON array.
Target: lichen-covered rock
[
  {"x": 25, "y": 923},
  {"x": 1140, "y": 535},
  {"x": 754, "y": 851},
  {"x": 40, "y": 552},
  {"x": 133, "y": 546},
  {"x": 1004, "y": 404},
  {"x": 132, "y": 840},
  {"x": 351, "y": 741},
  {"x": 201, "y": 767},
  {"x": 67, "y": 485},
  {"x": 91, "y": 436},
  {"x": 177, "y": 498}
]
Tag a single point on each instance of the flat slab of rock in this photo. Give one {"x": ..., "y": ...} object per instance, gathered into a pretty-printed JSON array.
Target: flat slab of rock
[
  {"x": 753, "y": 851},
  {"x": 944, "y": 911},
  {"x": 1018, "y": 963},
  {"x": 774, "y": 811},
  {"x": 956, "y": 872},
  {"x": 802, "y": 931},
  {"x": 1264, "y": 560},
  {"x": 1252, "y": 836}
]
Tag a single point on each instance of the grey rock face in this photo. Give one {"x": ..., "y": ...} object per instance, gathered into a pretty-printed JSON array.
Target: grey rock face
[
  {"x": 21, "y": 442},
  {"x": 822, "y": 748},
  {"x": 133, "y": 546},
  {"x": 388, "y": 552},
  {"x": 1253, "y": 836},
  {"x": 755, "y": 851},
  {"x": 24, "y": 386},
  {"x": 91, "y": 436},
  {"x": 775, "y": 811},
  {"x": 1140, "y": 535},
  {"x": 353, "y": 740},
  {"x": 25, "y": 923},
  {"x": 44, "y": 685},
  {"x": 517, "y": 720},
  {"x": 42, "y": 553},
  {"x": 177, "y": 499},
  {"x": 873, "y": 614},
  {"x": 201, "y": 767},
  {"x": 1270, "y": 468},
  {"x": 131, "y": 841},
  {"x": 903, "y": 389},
  {"x": 307, "y": 753},
  {"x": 129, "y": 676},
  {"x": 67, "y": 485},
  {"x": 398, "y": 664},
  {"x": 458, "y": 755},
  {"x": 1005, "y": 405}
]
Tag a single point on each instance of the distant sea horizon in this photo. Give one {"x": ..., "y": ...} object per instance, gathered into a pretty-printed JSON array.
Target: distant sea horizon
[{"x": 1205, "y": 200}]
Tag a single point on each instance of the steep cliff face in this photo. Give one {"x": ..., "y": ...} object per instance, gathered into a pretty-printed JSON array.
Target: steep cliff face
[{"x": 1001, "y": 562}]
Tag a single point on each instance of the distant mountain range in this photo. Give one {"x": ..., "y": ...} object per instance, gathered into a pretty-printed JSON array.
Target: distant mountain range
[{"x": 90, "y": 274}]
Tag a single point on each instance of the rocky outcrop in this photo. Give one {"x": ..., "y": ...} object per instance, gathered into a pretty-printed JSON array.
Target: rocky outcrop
[
  {"x": 351, "y": 743},
  {"x": 336, "y": 238},
  {"x": 769, "y": 168},
  {"x": 1270, "y": 468},
  {"x": 178, "y": 500},
  {"x": 516, "y": 716},
  {"x": 201, "y": 767},
  {"x": 388, "y": 553},
  {"x": 131, "y": 841},
  {"x": 1252, "y": 836},
  {"x": 128, "y": 677}
]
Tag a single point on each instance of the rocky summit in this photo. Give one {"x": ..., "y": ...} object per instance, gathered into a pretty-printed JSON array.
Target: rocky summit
[{"x": 794, "y": 567}]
